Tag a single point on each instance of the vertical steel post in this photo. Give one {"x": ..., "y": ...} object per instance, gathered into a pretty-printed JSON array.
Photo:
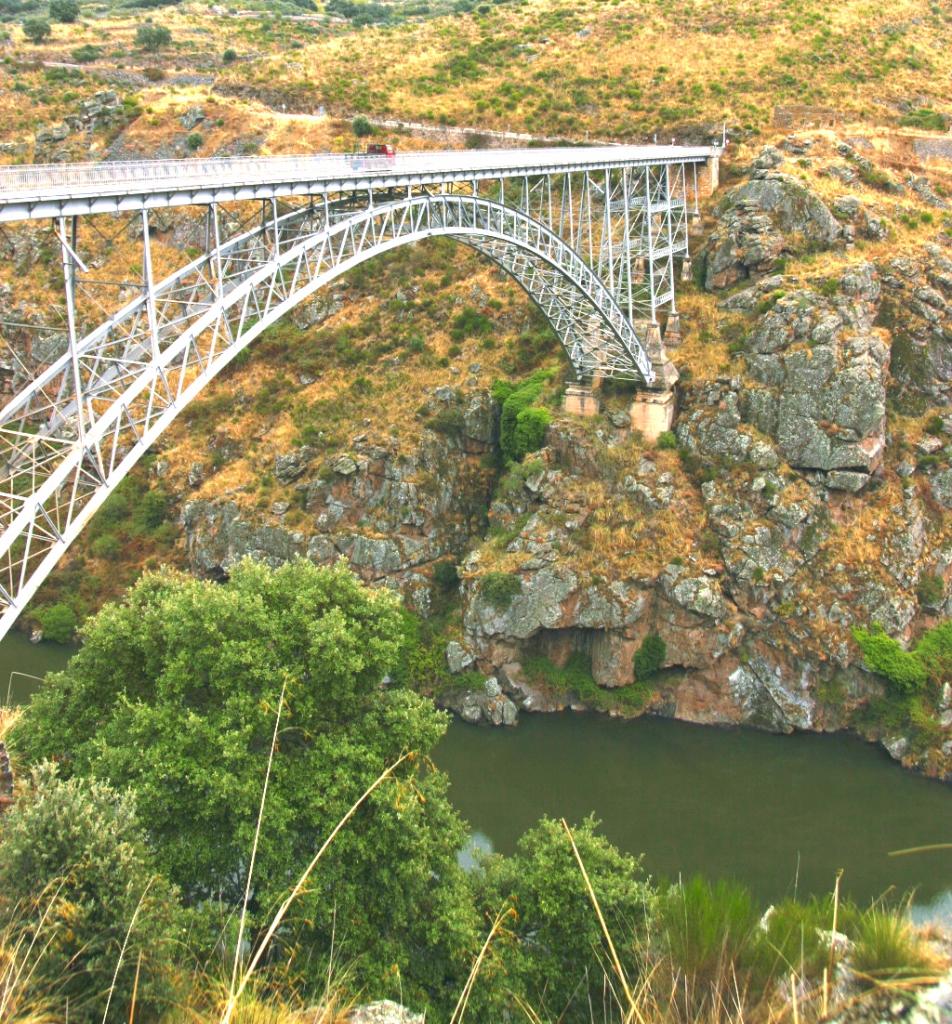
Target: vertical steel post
[
  {"x": 669, "y": 213},
  {"x": 69, "y": 281},
  {"x": 649, "y": 243},
  {"x": 625, "y": 185},
  {"x": 148, "y": 286}
]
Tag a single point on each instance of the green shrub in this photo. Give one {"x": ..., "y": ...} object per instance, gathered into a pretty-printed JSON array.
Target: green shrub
[
  {"x": 37, "y": 29},
  {"x": 934, "y": 652},
  {"x": 555, "y": 960},
  {"x": 107, "y": 546},
  {"x": 529, "y": 434},
  {"x": 925, "y": 118},
  {"x": 66, "y": 11},
  {"x": 361, "y": 127},
  {"x": 499, "y": 589},
  {"x": 74, "y": 851},
  {"x": 934, "y": 425},
  {"x": 229, "y": 56},
  {"x": 194, "y": 141},
  {"x": 516, "y": 398},
  {"x": 884, "y": 655},
  {"x": 86, "y": 53},
  {"x": 153, "y": 37},
  {"x": 470, "y": 323},
  {"x": 667, "y": 441},
  {"x": 931, "y": 590},
  {"x": 649, "y": 657},
  {"x": 58, "y": 622}
]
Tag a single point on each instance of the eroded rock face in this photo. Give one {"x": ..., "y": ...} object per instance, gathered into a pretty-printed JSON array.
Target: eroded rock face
[
  {"x": 916, "y": 308},
  {"x": 392, "y": 515},
  {"x": 762, "y": 220},
  {"x": 819, "y": 372}
]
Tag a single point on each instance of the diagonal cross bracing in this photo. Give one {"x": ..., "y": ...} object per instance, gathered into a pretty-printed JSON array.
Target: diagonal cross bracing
[{"x": 590, "y": 234}]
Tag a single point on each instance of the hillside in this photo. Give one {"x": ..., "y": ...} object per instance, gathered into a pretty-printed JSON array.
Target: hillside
[{"x": 365, "y": 425}]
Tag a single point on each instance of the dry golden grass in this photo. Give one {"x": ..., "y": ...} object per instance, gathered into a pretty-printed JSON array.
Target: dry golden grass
[{"x": 706, "y": 60}]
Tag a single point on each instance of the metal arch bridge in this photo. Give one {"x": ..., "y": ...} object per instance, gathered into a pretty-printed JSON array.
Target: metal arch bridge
[{"x": 592, "y": 235}]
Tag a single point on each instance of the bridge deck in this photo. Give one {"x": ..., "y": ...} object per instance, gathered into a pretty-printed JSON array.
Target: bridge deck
[{"x": 51, "y": 190}]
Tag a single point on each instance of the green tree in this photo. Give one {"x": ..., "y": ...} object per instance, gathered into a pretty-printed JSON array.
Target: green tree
[
  {"x": 556, "y": 960},
  {"x": 362, "y": 127},
  {"x": 152, "y": 37},
  {"x": 174, "y": 694},
  {"x": 74, "y": 871},
  {"x": 58, "y": 622},
  {"x": 64, "y": 10},
  {"x": 37, "y": 29},
  {"x": 516, "y": 399},
  {"x": 529, "y": 434}
]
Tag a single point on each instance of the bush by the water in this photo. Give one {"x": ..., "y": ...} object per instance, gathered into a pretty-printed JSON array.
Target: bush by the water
[
  {"x": 58, "y": 622},
  {"x": 930, "y": 660},
  {"x": 650, "y": 657},
  {"x": 173, "y": 696},
  {"x": 79, "y": 883}
]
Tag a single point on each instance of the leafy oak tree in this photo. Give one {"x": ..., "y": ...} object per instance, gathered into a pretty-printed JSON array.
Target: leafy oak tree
[{"x": 174, "y": 695}]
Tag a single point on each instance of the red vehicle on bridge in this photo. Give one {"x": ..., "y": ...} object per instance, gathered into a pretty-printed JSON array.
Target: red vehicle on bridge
[{"x": 381, "y": 149}]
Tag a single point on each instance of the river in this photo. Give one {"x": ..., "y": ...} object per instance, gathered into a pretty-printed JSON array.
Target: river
[{"x": 780, "y": 813}]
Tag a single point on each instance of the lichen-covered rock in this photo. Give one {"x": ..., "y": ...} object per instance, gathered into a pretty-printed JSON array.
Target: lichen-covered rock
[
  {"x": 916, "y": 308},
  {"x": 484, "y": 705},
  {"x": 770, "y": 699},
  {"x": 762, "y": 220},
  {"x": 537, "y": 606},
  {"x": 384, "y": 1011},
  {"x": 392, "y": 514},
  {"x": 288, "y": 467},
  {"x": 819, "y": 371}
]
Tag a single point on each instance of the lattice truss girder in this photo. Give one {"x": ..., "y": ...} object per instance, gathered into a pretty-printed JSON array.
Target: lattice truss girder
[{"x": 594, "y": 250}]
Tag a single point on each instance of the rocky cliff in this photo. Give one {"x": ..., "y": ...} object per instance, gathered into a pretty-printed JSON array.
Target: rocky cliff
[{"x": 806, "y": 491}]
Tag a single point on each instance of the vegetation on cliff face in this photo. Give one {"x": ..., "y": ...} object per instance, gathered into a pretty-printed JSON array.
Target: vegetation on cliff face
[{"x": 188, "y": 699}]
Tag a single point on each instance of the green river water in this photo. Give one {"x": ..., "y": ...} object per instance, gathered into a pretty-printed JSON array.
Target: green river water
[{"x": 780, "y": 813}]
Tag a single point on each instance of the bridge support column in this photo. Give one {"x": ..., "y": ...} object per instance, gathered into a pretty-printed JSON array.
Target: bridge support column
[
  {"x": 652, "y": 409},
  {"x": 709, "y": 176},
  {"x": 580, "y": 400},
  {"x": 672, "y": 331},
  {"x": 652, "y": 413}
]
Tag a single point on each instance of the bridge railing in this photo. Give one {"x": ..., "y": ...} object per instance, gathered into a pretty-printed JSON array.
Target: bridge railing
[{"x": 38, "y": 179}]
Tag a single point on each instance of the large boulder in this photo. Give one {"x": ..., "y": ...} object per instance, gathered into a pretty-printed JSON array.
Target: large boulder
[
  {"x": 819, "y": 373},
  {"x": 762, "y": 220}
]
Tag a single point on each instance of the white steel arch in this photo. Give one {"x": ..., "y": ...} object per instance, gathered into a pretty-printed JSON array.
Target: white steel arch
[{"x": 72, "y": 435}]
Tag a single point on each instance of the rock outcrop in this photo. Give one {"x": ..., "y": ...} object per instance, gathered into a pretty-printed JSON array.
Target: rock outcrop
[
  {"x": 766, "y": 218},
  {"x": 916, "y": 308},
  {"x": 390, "y": 513},
  {"x": 819, "y": 373}
]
